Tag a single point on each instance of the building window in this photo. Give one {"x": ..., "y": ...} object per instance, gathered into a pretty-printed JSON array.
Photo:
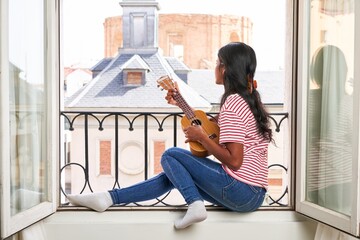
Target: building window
[
  {"x": 105, "y": 158},
  {"x": 134, "y": 78},
  {"x": 176, "y": 47},
  {"x": 159, "y": 148}
]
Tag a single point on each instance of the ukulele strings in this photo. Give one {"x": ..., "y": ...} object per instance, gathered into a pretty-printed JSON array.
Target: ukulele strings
[
  {"x": 181, "y": 101},
  {"x": 169, "y": 85}
]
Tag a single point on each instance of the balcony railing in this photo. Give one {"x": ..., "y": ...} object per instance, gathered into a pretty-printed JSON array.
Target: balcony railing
[{"x": 81, "y": 128}]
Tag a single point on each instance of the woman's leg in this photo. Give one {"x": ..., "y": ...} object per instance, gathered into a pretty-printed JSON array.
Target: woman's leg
[
  {"x": 149, "y": 189},
  {"x": 184, "y": 171},
  {"x": 201, "y": 178},
  {"x": 99, "y": 201},
  {"x": 189, "y": 174},
  {"x": 146, "y": 190}
]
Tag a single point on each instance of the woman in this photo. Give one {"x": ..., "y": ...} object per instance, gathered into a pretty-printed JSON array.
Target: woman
[{"x": 239, "y": 181}]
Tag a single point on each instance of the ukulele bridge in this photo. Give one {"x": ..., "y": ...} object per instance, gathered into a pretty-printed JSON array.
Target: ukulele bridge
[{"x": 212, "y": 136}]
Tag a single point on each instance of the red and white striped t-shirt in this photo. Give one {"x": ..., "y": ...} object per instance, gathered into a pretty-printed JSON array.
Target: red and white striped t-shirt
[{"x": 237, "y": 124}]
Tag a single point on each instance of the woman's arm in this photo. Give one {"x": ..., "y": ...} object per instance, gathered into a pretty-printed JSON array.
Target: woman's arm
[{"x": 230, "y": 154}]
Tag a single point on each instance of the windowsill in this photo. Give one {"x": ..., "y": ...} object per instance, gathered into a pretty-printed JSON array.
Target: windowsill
[
  {"x": 119, "y": 215},
  {"x": 141, "y": 224}
]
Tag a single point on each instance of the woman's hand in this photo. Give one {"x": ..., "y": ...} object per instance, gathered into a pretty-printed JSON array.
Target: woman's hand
[
  {"x": 171, "y": 93},
  {"x": 214, "y": 119},
  {"x": 194, "y": 133}
]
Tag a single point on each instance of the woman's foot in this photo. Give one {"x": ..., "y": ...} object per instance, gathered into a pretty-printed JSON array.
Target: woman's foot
[
  {"x": 196, "y": 213},
  {"x": 96, "y": 201}
]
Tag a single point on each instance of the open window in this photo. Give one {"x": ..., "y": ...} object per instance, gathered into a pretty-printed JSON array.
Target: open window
[
  {"x": 328, "y": 113},
  {"x": 29, "y": 122}
]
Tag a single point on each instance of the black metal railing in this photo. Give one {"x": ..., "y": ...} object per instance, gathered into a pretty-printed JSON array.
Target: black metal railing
[{"x": 93, "y": 123}]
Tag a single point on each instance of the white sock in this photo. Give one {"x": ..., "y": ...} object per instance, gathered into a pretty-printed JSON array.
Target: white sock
[
  {"x": 196, "y": 213},
  {"x": 96, "y": 201}
]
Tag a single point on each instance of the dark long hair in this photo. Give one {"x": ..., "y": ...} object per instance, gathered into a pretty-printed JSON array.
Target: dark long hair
[{"x": 239, "y": 61}]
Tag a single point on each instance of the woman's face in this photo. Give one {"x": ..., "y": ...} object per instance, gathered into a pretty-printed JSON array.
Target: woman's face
[{"x": 219, "y": 72}]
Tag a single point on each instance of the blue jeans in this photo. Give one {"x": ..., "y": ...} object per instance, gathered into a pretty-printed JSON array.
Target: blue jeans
[{"x": 196, "y": 178}]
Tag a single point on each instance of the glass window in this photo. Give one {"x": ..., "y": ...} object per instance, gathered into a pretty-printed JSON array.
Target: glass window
[
  {"x": 330, "y": 105},
  {"x": 27, "y": 105},
  {"x": 28, "y": 154},
  {"x": 329, "y": 139},
  {"x": 330, "y": 131}
]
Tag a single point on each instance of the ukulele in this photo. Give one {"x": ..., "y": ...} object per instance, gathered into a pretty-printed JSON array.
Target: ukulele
[{"x": 192, "y": 117}]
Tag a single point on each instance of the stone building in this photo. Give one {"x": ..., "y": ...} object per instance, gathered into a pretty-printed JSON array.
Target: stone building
[{"x": 193, "y": 38}]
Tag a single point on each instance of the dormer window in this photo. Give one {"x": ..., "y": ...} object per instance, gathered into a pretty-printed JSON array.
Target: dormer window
[
  {"x": 134, "y": 77},
  {"x": 134, "y": 71}
]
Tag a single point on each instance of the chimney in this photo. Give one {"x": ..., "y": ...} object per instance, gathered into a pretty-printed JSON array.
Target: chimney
[{"x": 140, "y": 26}]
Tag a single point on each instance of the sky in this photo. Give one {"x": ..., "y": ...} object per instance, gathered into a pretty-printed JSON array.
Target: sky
[{"x": 83, "y": 33}]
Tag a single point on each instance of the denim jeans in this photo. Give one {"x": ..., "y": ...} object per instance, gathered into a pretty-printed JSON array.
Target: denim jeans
[{"x": 196, "y": 178}]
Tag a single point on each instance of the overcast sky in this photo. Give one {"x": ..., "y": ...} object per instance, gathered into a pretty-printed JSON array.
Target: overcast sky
[{"x": 83, "y": 33}]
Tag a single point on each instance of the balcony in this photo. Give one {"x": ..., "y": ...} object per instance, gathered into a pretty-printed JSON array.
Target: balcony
[
  {"x": 102, "y": 150},
  {"x": 83, "y": 170}
]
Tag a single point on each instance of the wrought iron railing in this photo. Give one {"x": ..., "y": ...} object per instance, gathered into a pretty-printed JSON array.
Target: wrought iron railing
[{"x": 117, "y": 122}]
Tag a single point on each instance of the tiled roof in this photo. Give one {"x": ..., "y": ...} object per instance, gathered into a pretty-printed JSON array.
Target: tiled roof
[
  {"x": 101, "y": 64},
  {"x": 176, "y": 64},
  {"x": 107, "y": 90},
  {"x": 270, "y": 85},
  {"x": 203, "y": 81}
]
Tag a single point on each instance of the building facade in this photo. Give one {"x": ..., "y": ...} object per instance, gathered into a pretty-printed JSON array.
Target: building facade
[{"x": 193, "y": 38}]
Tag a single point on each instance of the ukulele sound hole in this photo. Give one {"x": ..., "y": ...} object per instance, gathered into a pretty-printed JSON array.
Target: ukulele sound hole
[{"x": 196, "y": 122}]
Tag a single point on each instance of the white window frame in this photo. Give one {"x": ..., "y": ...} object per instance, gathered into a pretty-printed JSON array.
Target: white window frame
[
  {"x": 349, "y": 224},
  {"x": 12, "y": 224}
]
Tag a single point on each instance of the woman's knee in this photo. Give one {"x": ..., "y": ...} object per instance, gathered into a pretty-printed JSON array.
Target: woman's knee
[
  {"x": 168, "y": 153},
  {"x": 172, "y": 153}
]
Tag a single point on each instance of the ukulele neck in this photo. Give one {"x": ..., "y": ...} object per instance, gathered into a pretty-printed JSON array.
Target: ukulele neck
[{"x": 189, "y": 113}]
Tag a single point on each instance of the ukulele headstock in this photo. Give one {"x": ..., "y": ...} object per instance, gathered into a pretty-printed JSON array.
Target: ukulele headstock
[{"x": 165, "y": 82}]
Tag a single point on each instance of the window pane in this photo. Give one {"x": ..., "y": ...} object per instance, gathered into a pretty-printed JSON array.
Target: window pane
[
  {"x": 330, "y": 105},
  {"x": 27, "y": 105}
]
